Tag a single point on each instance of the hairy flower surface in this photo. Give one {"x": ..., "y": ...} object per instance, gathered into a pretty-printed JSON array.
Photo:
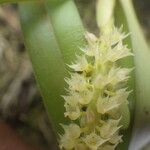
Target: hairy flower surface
[{"x": 96, "y": 94}]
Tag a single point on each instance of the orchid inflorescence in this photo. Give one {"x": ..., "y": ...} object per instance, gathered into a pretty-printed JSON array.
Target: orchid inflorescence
[{"x": 97, "y": 93}]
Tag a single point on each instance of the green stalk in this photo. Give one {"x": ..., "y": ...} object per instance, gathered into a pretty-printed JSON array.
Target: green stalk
[
  {"x": 50, "y": 42},
  {"x": 142, "y": 70},
  {"x": 104, "y": 14},
  {"x": 15, "y": 1},
  {"x": 120, "y": 20},
  {"x": 67, "y": 27}
]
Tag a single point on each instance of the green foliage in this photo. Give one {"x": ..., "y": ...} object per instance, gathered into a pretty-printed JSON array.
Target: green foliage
[
  {"x": 120, "y": 19},
  {"x": 14, "y": 1},
  {"x": 142, "y": 71},
  {"x": 52, "y": 36}
]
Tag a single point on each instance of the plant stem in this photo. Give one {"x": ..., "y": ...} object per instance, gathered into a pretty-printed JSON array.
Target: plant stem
[
  {"x": 14, "y": 1},
  {"x": 142, "y": 70},
  {"x": 104, "y": 14},
  {"x": 120, "y": 19}
]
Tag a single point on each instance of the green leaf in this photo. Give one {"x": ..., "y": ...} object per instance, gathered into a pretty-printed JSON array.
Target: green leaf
[
  {"x": 142, "y": 70},
  {"x": 52, "y": 39},
  {"x": 67, "y": 27},
  {"x": 120, "y": 19}
]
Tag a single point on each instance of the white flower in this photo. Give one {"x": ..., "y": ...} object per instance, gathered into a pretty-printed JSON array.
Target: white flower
[
  {"x": 66, "y": 143},
  {"x": 81, "y": 65},
  {"x": 117, "y": 75},
  {"x": 81, "y": 146},
  {"x": 107, "y": 147},
  {"x": 115, "y": 139},
  {"x": 104, "y": 105},
  {"x": 118, "y": 52},
  {"x": 91, "y": 38},
  {"x": 93, "y": 141},
  {"x": 109, "y": 128},
  {"x": 72, "y": 107},
  {"x": 85, "y": 97},
  {"x": 77, "y": 82},
  {"x": 69, "y": 139}
]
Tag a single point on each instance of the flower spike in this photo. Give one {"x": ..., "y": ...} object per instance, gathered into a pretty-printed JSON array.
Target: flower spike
[{"x": 97, "y": 94}]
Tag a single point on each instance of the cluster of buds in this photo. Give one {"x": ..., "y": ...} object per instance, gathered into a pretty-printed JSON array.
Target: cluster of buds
[{"x": 96, "y": 94}]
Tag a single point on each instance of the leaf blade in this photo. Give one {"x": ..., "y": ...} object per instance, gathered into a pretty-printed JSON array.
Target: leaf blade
[
  {"x": 41, "y": 31},
  {"x": 142, "y": 63}
]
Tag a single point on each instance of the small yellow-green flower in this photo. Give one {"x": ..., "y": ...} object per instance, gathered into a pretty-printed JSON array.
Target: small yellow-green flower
[{"x": 96, "y": 94}]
